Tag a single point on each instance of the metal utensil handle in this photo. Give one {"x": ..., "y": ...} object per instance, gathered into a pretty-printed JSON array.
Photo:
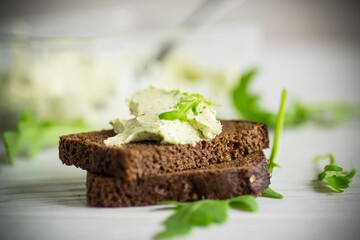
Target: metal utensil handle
[{"x": 207, "y": 14}]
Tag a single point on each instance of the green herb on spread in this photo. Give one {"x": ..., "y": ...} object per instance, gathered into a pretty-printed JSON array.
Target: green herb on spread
[
  {"x": 203, "y": 213},
  {"x": 191, "y": 102},
  {"x": 175, "y": 92},
  {"x": 32, "y": 135},
  {"x": 334, "y": 174},
  {"x": 249, "y": 107},
  {"x": 278, "y": 128}
]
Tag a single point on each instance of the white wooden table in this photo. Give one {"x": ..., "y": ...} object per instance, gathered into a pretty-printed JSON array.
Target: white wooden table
[{"x": 41, "y": 199}]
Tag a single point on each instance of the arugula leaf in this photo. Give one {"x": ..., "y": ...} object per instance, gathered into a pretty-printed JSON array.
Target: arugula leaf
[
  {"x": 202, "y": 213},
  {"x": 245, "y": 203},
  {"x": 32, "y": 135},
  {"x": 334, "y": 174},
  {"x": 191, "y": 102},
  {"x": 248, "y": 105},
  {"x": 271, "y": 194},
  {"x": 351, "y": 173}
]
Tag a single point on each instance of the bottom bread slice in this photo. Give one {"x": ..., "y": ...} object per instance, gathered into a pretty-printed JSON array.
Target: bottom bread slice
[{"x": 218, "y": 182}]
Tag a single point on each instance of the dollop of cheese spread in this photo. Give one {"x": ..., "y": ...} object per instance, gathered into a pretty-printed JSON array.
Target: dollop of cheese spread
[{"x": 146, "y": 105}]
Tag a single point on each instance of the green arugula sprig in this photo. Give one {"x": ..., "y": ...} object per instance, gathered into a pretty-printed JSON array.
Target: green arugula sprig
[
  {"x": 248, "y": 104},
  {"x": 203, "y": 213},
  {"x": 278, "y": 128},
  {"x": 334, "y": 174},
  {"x": 184, "y": 106},
  {"x": 32, "y": 135}
]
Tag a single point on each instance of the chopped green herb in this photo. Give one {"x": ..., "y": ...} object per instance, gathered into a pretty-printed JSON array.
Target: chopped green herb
[
  {"x": 202, "y": 213},
  {"x": 184, "y": 106},
  {"x": 32, "y": 135},
  {"x": 248, "y": 105},
  {"x": 334, "y": 174},
  {"x": 175, "y": 92}
]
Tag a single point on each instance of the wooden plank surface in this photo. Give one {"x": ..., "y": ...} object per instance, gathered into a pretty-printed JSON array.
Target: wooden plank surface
[{"x": 42, "y": 199}]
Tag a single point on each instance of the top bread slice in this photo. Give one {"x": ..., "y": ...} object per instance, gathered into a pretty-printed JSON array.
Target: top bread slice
[{"x": 136, "y": 160}]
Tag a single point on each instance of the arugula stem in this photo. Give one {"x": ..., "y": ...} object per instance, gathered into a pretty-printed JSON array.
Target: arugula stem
[
  {"x": 278, "y": 128},
  {"x": 328, "y": 155}
]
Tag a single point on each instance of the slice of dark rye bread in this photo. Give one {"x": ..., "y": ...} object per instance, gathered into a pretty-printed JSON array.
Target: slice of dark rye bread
[
  {"x": 136, "y": 160},
  {"x": 219, "y": 181}
]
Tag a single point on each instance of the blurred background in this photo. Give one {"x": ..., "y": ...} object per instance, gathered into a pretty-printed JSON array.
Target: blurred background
[{"x": 70, "y": 60}]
